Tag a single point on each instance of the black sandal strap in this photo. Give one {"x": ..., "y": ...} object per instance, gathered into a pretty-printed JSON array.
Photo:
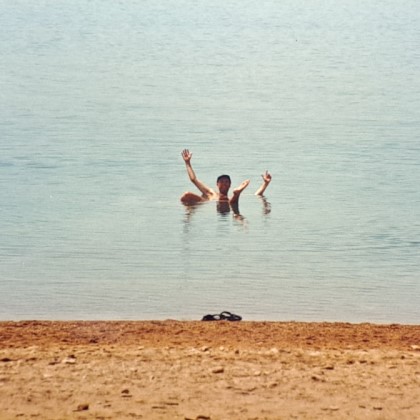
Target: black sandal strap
[
  {"x": 229, "y": 316},
  {"x": 223, "y": 316},
  {"x": 211, "y": 318}
]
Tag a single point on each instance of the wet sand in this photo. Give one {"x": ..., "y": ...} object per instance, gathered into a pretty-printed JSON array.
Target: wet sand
[{"x": 208, "y": 370}]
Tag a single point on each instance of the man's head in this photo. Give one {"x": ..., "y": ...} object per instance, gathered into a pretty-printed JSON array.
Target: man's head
[{"x": 223, "y": 183}]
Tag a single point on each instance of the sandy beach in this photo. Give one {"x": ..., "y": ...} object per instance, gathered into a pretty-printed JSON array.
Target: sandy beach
[{"x": 208, "y": 370}]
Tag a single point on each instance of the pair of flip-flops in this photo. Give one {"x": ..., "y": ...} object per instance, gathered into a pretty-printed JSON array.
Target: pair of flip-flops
[{"x": 223, "y": 316}]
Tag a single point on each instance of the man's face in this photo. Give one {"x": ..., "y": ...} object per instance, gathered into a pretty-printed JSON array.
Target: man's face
[{"x": 223, "y": 185}]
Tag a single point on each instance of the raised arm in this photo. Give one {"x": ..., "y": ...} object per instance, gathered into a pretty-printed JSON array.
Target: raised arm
[
  {"x": 266, "y": 181},
  {"x": 237, "y": 192},
  {"x": 186, "y": 155}
]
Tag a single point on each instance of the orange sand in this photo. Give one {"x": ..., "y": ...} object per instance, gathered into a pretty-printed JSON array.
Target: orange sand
[{"x": 208, "y": 370}]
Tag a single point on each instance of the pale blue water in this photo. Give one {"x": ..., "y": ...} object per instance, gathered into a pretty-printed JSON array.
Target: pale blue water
[{"x": 97, "y": 100}]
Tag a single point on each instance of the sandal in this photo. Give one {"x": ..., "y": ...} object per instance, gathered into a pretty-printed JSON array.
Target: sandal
[
  {"x": 223, "y": 316},
  {"x": 229, "y": 316},
  {"x": 211, "y": 318}
]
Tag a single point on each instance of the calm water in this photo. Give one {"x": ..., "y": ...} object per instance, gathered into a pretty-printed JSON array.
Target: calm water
[{"x": 99, "y": 98}]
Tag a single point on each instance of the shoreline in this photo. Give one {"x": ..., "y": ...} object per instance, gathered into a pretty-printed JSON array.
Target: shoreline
[
  {"x": 209, "y": 370},
  {"x": 194, "y": 333}
]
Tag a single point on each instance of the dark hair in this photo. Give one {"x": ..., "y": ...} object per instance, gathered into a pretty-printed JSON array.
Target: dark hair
[{"x": 219, "y": 178}]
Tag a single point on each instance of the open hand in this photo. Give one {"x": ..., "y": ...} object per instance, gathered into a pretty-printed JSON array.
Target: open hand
[
  {"x": 186, "y": 155},
  {"x": 241, "y": 187}
]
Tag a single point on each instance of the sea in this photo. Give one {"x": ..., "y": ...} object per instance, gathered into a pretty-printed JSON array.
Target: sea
[{"x": 98, "y": 98}]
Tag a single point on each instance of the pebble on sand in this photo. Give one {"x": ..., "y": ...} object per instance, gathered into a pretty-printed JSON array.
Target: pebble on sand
[{"x": 82, "y": 407}]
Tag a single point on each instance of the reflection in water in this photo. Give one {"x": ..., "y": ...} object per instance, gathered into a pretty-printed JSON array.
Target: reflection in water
[
  {"x": 224, "y": 208},
  {"x": 189, "y": 211},
  {"x": 238, "y": 216},
  {"x": 266, "y": 205}
]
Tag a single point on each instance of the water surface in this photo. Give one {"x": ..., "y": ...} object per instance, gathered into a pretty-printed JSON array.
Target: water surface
[{"x": 99, "y": 98}]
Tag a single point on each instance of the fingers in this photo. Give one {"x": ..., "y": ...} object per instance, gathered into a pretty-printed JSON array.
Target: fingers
[
  {"x": 244, "y": 185},
  {"x": 266, "y": 177},
  {"x": 186, "y": 154}
]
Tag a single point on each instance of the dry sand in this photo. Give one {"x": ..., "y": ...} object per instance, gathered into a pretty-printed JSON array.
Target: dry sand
[{"x": 208, "y": 370}]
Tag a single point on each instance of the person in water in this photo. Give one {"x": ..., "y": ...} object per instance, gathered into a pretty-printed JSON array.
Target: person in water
[{"x": 223, "y": 185}]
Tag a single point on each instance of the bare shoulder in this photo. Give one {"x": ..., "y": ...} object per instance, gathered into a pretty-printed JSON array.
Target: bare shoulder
[{"x": 212, "y": 195}]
